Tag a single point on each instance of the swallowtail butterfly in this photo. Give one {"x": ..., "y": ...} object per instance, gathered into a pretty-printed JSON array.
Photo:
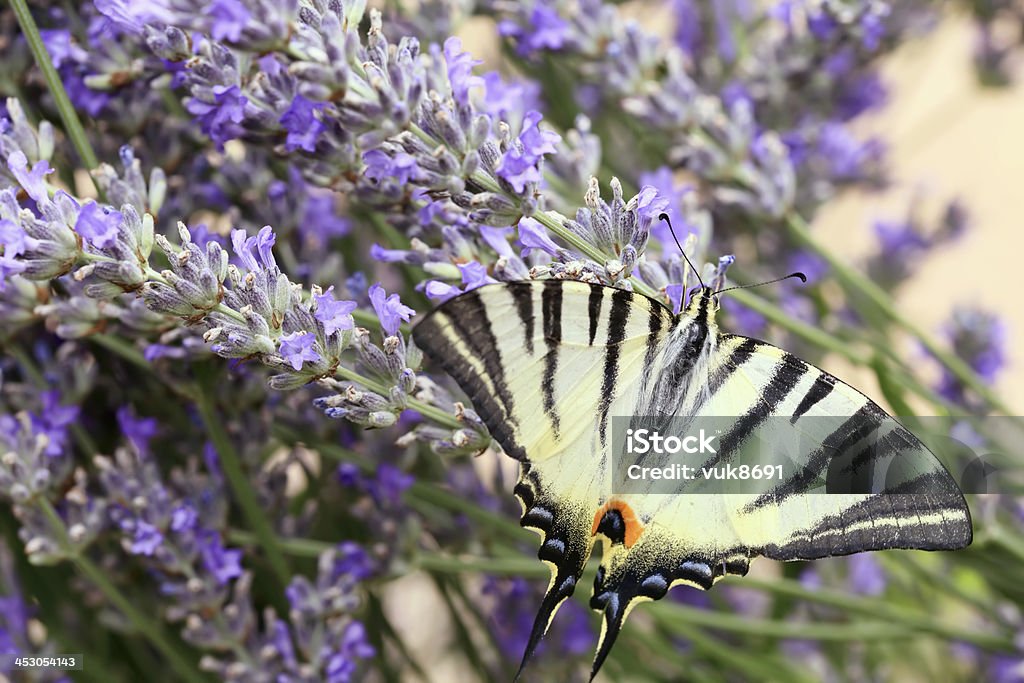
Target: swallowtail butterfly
[{"x": 548, "y": 364}]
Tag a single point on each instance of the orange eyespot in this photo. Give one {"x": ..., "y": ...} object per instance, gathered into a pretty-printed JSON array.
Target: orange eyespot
[{"x": 633, "y": 527}]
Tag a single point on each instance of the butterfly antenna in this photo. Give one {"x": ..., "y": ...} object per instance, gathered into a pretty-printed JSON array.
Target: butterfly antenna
[
  {"x": 696, "y": 272},
  {"x": 798, "y": 274}
]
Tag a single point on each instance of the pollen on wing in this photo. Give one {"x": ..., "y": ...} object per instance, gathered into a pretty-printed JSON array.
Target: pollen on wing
[{"x": 631, "y": 529}]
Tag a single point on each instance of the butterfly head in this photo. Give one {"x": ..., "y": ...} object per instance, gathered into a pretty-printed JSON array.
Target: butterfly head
[{"x": 703, "y": 304}]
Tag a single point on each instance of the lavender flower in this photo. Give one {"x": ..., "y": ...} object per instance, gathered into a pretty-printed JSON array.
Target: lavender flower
[
  {"x": 389, "y": 309},
  {"x": 977, "y": 337}
]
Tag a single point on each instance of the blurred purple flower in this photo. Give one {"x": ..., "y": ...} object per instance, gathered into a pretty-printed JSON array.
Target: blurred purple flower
[
  {"x": 302, "y": 124},
  {"x": 320, "y": 221},
  {"x": 351, "y": 559},
  {"x": 865, "y": 574},
  {"x": 387, "y": 487},
  {"x": 979, "y": 338},
  {"x": 460, "y": 70},
  {"x": 184, "y": 518},
  {"x": 146, "y": 539},
  {"x": 547, "y": 30},
  {"x": 341, "y": 665},
  {"x": 139, "y": 430},
  {"x": 222, "y": 563},
  {"x": 220, "y": 119},
  {"x": 227, "y": 19},
  {"x": 808, "y": 263},
  {"x": 507, "y": 99}
]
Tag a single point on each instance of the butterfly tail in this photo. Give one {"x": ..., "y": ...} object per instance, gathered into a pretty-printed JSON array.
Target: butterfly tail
[
  {"x": 561, "y": 588},
  {"x": 565, "y": 547},
  {"x": 615, "y": 610}
]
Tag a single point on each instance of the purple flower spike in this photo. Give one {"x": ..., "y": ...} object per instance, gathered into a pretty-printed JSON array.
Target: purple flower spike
[
  {"x": 533, "y": 235},
  {"x": 389, "y": 309},
  {"x": 98, "y": 225},
  {"x": 297, "y": 348},
  {"x": 335, "y": 315}
]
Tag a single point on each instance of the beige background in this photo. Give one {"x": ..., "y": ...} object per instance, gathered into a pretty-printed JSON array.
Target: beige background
[{"x": 949, "y": 137}]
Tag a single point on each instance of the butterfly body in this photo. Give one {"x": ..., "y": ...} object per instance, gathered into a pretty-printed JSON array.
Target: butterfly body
[{"x": 551, "y": 365}]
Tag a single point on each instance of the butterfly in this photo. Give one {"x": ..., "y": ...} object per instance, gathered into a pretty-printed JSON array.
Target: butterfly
[{"x": 550, "y": 364}]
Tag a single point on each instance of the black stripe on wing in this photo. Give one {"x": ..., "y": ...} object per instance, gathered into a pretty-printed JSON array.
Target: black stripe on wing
[
  {"x": 551, "y": 306},
  {"x": 848, "y": 434},
  {"x": 617, "y": 320},
  {"x": 888, "y": 521},
  {"x": 594, "y": 302},
  {"x": 786, "y": 376},
  {"x": 522, "y": 294},
  {"x": 468, "y": 316},
  {"x": 429, "y": 335},
  {"x": 823, "y": 385}
]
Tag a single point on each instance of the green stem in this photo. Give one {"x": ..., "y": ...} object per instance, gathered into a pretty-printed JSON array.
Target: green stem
[
  {"x": 150, "y": 629},
  {"x": 72, "y": 124},
  {"x": 123, "y": 349},
  {"x": 241, "y": 487},
  {"x": 880, "y": 609},
  {"x": 771, "y": 628},
  {"x": 883, "y": 303},
  {"x": 427, "y": 410},
  {"x": 810, "y": 333},
  {"x": 760, "y": 669},
  {"x": 296, "y": 547}
]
